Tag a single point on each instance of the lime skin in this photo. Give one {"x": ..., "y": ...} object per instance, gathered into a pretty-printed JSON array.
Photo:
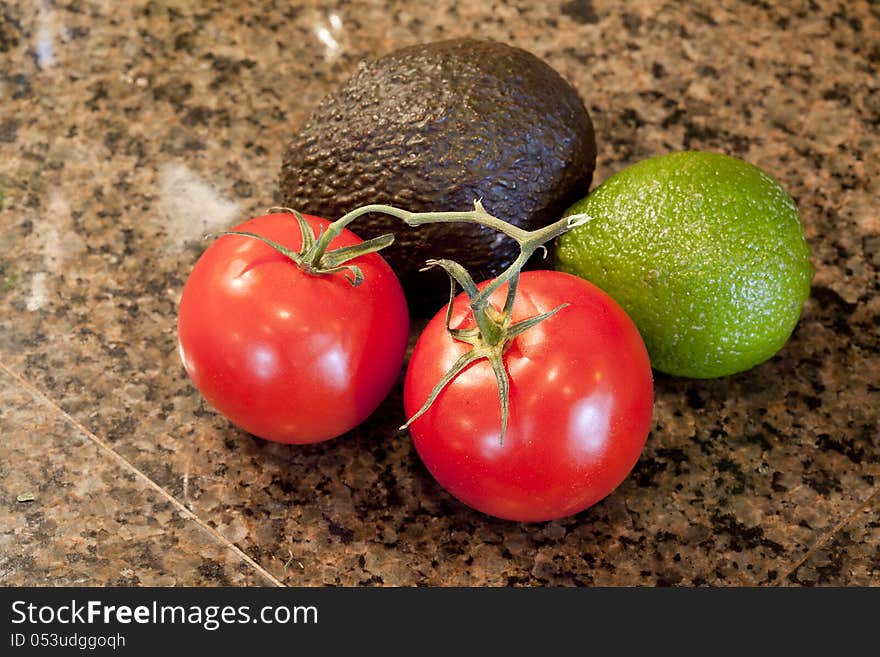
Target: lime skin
[{"x": 705, "y": 252}]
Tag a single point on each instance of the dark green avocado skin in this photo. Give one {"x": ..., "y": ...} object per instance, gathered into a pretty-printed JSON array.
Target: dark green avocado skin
[{"x": 434, "y": 127}]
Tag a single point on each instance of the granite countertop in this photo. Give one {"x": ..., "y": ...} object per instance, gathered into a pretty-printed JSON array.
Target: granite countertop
[{"x": 129, "y": 130}]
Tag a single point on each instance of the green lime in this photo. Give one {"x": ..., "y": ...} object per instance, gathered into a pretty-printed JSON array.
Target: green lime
[{"x": 705, "y": 252}]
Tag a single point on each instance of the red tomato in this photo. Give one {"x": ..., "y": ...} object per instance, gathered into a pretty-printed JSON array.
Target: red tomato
[
  {"x": 285, "y": 355},
  {"x": 581, "y": 397}
]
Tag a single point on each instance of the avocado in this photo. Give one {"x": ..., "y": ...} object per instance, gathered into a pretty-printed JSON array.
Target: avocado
[{"x": 432, "y": 128}]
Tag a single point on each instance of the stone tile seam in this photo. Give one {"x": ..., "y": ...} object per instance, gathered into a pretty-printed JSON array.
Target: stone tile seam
[
  {"x": 126, "y": 464},
  {"x": 829, "y": 535}
]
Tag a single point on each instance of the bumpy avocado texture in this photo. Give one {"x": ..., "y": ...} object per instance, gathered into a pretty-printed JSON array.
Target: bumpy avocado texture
[{"x": 434, "y": 127}]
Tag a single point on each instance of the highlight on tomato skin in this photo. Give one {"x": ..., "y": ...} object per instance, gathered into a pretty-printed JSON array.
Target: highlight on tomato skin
[
  {"x": 581, "y": 400},
  {"x": 286, "y": 355}
]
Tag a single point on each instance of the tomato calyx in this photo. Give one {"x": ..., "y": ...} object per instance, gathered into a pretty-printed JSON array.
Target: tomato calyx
[
  {"x": 313, "y": 257},
  {"x": 490, "y": 344},
  {"x": 494, "y": 331}
]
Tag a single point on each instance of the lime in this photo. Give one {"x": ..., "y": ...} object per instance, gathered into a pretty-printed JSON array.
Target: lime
[{"x": 705, "y": 252}]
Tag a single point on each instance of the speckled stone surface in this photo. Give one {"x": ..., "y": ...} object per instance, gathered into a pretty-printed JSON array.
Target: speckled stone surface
[
  {"x": 72, "y": 514},
  {"x": 129, "y": 130}
]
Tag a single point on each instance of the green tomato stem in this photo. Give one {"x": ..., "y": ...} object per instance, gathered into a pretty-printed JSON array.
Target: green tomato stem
[{"x": 529, "y": 242}]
